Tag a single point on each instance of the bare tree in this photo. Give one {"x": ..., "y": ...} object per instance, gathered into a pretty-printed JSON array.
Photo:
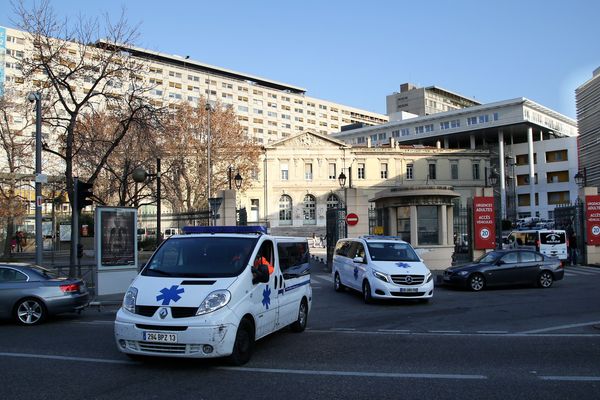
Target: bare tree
[
  {"x": 16, "y": 145},
  {"x": 186, "y": 154},
  {"x": 80, "y": 74}
]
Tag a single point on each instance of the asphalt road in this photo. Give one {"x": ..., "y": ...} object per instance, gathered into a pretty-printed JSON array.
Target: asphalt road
[{"x": 516, "y": 342}]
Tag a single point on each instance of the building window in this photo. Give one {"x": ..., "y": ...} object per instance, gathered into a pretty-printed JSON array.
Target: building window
[
  {"x": 557, "y": 176},
  {"x": 556, "y": 156},
  {"x": 419, "y": 129},
  {"x": 285, "y": 210},
  {"x": 476, "y": 173},
  {"x": 405, "y": 131},
  {"x": 284, "y": 172},
  {"x": 429, "y": 128},
  {"x": 410, "y": 171},
  {"x": 309, "y": 211},
  {"x": 384, "y": 171},
  {"x": 427, "y": 225},
  {"x": 555, "y": 198},
  {"x": 361, "y": 171},
  {"x": 403, "y": 223},
  {"x": 332, "y": 171},
  {"x": 484, "y": 118},
  {"x": 431, "y": 174},
  {"x": 308, "y": 171},
  {"x": 454, "y": 170},
  {"x": 333, "y": 201},
  {"x": 524, "y": 179},
  {"x": 523, "y": 159},
  {"x": 472, "y": 121},
  {"x": 524, "y": 200}
]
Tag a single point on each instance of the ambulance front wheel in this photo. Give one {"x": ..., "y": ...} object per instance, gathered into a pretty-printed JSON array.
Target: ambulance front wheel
[{"x": 243, "y": 347}]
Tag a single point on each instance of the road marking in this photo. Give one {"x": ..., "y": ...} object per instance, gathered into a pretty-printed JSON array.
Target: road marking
[
  {"x": 394, "y": 330},
  {"x": 571, "y": 378},
  {"x": 97, "y": 322},
  {"x": 322, "y": 279},
  {"x": 492, "y": 332},
  {"x": 347, "y": 331},
  {"x": 351, "y": 373},
  {"x": 65, "y": 358},
  {"x": 559, "y": 327},
  {"x": 444, "y": 331}
]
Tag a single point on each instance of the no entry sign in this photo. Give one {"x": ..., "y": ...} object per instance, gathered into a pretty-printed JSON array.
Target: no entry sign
[
  {"x": 484, "y": 221},
  {"x": 352, "y": 219}
]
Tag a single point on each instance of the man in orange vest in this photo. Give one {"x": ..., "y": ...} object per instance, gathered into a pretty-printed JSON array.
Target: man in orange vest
[{"x": 262, "y": 268}]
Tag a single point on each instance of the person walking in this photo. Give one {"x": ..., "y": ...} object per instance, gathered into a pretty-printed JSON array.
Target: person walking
[{"x": 19, "y": 241}]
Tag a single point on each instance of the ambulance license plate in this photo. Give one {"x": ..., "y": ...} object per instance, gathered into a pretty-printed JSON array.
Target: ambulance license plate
[
  {"x": 408, "y": 290},
  {"x": 160, "y": 337}
]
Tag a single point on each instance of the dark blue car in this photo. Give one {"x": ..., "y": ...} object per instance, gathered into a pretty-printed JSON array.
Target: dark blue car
[{"x": 506, "y": 267}]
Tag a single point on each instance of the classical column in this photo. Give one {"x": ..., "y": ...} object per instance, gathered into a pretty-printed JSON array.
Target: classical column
[
  {"x": 531, "y": 171},
  {"x": 472, "y": 141},
  {"x": 413, "y": 226},
  {"x": 502, "y": 174},
  {"x": 443, "y": 225}
]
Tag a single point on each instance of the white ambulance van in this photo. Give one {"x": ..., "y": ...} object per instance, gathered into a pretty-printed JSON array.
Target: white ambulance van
[{"x": 198, "y": 295}]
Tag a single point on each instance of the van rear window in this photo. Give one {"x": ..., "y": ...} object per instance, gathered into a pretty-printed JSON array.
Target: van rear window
[{"x": 552, "y": 238}]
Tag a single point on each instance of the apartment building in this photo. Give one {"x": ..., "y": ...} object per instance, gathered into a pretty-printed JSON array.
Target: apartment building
[
  {"x": 537, "y": 146},
  {"x": 267, "y": 110},
  {"x": 587, "y": 97},
  {"x": 425, "y": 101}
]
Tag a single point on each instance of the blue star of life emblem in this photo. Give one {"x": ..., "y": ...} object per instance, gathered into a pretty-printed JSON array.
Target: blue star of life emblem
[
  {"x": 266, "y": 301},
  {"x": 403, "y": 265},
  {"x": 170, "y": 294},
  {"x": 355, "y": 273}
]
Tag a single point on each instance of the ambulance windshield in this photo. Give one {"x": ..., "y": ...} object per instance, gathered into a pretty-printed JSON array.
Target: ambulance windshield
[{"x": 201, "y": 257}]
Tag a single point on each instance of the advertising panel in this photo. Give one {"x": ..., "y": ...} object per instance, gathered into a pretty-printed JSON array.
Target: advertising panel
[
  {"x": 484, "y": 223},
  {"x": 116, "y": 236},
  {"x": 592, "y": 217}
]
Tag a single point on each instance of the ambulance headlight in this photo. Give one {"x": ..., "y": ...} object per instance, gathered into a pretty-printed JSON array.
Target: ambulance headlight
[
  {"x": 129, "y": 299},
  {"x": 381, "y": 276},
  {"x": 214, "y": 301}
]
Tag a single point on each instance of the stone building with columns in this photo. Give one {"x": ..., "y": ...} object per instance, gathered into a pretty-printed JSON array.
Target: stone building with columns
[
  {"x": 408, "y": 190},
  {"x": 533, "y": 149}
]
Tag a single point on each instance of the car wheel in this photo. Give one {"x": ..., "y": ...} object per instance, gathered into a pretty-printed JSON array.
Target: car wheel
[
  {"x": 476, "y": 282},
  {"x": 337, "y": 283},
  {"x": 366, "y": 290},
  {"x": 300, "y": 324},
  {"x": 545, "y": 279},
  {"x": 243, "y": 347},
  {"x": 30, "y": 312}
]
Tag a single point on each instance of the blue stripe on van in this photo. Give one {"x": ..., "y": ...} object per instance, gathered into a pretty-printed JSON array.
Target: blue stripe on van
[{"x": 296, "y": 286}]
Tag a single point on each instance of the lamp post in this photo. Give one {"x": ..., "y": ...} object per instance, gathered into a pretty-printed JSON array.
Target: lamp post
[
  {"x": 342, "y": 182},
  {"x": 140, "y": 175},
  {"x": 581, "y": 178},
  {"x": 37, "y": 98},
  {"x": 493, "y": 180},
  {"x": 208, "y": 109},
  {"x": 237, "y": 179}
]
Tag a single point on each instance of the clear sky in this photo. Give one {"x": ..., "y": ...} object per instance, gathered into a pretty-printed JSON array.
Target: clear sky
[{"x": 357, "y": 52}]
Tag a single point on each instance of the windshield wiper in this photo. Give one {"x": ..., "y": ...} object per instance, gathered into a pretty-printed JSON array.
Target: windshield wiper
[{"x": 160, "y": 272}]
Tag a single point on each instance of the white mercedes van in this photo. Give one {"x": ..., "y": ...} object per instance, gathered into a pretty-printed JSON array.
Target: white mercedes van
[
  {"x": 198, "y": 295},
  {"x": 381, "y": 267}
]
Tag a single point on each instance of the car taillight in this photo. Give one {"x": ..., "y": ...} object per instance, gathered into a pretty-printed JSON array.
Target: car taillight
[{"x": 70, "y": 288}]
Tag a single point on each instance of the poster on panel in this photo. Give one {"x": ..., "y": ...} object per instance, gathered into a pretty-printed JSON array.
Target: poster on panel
[
  {"x": 484, "y": 223},
  {"x": 116, "y": 235},
  {"x": 592, "y": 219}
]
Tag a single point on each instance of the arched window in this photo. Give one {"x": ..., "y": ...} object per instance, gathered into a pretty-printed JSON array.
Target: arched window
[
  {"x": 310, "y": 206},
  {"x": 333, "y": 201},
  {"x": 285, "y": 210}
]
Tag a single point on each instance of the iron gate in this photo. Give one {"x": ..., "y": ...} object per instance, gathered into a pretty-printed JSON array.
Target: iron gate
[
  {"x": 463, "y": 238},
  {"x": 571, "y": 218},
  {"x": 336, "y": 229}
]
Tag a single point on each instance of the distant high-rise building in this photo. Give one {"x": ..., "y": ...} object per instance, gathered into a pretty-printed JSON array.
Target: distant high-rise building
[
  {"x": 425, "y": 101},
  {"x": 587, "y": 97}
]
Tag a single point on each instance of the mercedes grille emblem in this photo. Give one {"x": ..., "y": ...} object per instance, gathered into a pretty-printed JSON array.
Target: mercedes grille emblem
[{"x": 408, "y": 279}]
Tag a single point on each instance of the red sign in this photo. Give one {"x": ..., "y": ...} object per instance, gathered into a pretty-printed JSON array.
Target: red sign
[
  {"x": 592, "y": 217},
  {"x": 352, "y": 219},
  {"x": 484, "y": 221}
]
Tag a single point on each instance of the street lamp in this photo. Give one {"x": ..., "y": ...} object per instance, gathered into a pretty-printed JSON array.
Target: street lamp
[
  {"x": 237, "y": 179},
  {"x": 37, "y": 98},
  {"x": 140, "y": 175}
]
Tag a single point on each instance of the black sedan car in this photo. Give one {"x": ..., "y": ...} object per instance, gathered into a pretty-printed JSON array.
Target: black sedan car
[
  {"x": 29, "y": 293},
  {"x": 506, "y": 267}
]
